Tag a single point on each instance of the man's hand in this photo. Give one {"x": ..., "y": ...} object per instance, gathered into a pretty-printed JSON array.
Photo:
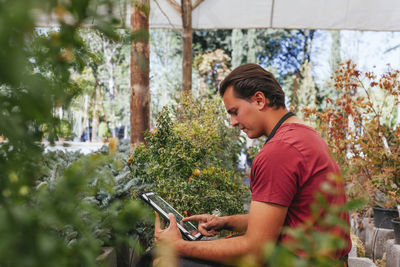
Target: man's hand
[
  {"x": 171, "y": 234},
  {"x": 209, "y": 225}
]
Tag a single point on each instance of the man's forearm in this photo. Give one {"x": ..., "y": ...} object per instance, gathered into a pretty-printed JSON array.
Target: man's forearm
[
  {"x": 237, "y": 223},
  {"x": 263, "y": 224},
  {"x": 221, "y": 250}
]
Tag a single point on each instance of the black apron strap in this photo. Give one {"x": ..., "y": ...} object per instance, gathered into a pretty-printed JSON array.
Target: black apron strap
[{"x": 282, "y": 120}]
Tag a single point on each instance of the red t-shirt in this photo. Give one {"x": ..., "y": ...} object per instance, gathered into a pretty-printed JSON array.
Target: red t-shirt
[{"x": 289, "y": 170}]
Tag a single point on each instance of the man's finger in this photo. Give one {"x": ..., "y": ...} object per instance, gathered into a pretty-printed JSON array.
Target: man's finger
[
  {"x": 172, "y": 219},
  {"x": 203, "y": 225},
  {"x": 157, "y": 226},
  {"x": 193, "y": 218},
  {"x": 204, "y": 231},
  {"x": 208, "y": 227}
]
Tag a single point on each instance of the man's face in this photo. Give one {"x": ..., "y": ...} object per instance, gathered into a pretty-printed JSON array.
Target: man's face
[{"x": 244, "y": 114}]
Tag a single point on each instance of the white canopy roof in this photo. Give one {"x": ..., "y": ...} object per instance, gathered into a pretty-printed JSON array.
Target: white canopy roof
[{"x": 376, "y": 15}]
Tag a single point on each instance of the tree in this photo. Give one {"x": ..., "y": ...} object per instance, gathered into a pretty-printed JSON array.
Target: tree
[
  {"x": 238, "y": 48},
  {"x": 105, "y": 81},
  {"x": 212, "y": 68},
  {"x": 187, "y": 40},
  {"x": 206, "y": 41},
  {"x": 252, "y": 46},
  {"x": 306, "y": 93},
  {"x": 284, "y": 50},
  {"x": 326, "y": 90},
  {"x": 166, "y": 68},
  {"x": 185, "y": 10},
  {"x": 335, "y": 57},
  {"x": 140, "y": 94},
  {"x": 281, "y": 52}
]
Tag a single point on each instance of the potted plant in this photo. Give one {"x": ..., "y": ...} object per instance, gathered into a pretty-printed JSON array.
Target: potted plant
[
  {"x": 396, "y": 227},
  {"x": 385, "y": 186},
  {"x": 383, "y": 217}
]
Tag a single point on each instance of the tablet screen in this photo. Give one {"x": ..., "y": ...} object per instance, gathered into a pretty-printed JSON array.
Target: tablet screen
[{"x": 168, "y": 209}]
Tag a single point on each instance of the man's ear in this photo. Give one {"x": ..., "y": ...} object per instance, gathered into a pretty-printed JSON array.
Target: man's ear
[{"x": 260, "y": 100}]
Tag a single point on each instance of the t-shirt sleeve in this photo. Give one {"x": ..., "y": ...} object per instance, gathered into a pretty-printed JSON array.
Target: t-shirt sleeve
[{"x": 275, "y": 172}]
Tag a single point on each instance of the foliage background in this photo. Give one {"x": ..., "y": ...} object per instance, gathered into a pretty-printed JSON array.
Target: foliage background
[{"x": 59, "y": 209}]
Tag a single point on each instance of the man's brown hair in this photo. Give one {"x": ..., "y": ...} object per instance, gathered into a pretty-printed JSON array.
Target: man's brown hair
[{"x": 250, "y": 78}]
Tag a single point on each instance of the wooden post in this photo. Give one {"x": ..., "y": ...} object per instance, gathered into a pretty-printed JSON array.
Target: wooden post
[
  {"x": 185, "y": 10},
  {"x": 140, "y": 92},
  {"x": 186, "y": 6}
]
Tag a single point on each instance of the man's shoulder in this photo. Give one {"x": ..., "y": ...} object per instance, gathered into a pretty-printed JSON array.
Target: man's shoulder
[
  {"x": 277, "y": 151},
  {"x": 296, "y": 131},
  {"x": 292, "y": 140},
  {"x": 299, "y": 136}
]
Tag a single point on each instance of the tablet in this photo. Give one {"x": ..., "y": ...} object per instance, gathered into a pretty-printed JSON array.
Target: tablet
[{"x": 188, "y": 230}]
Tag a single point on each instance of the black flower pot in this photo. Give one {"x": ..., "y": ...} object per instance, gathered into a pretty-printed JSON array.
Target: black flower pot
[
  {"x": 383, "y": 217},
  {"x": 396, "y": 228}
]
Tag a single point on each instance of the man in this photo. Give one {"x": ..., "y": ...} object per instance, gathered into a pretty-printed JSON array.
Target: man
[{"x": 285, "y": 175}]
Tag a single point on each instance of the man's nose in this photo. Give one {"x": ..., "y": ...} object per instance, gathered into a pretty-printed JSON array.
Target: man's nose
[{"x": 234, "y": 121}]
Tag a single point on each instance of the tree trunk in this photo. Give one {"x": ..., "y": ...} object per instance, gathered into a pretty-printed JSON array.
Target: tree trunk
[
  {"x": 251, "y": 43},
  {"x": 238, "y": 44},
  {"x": 186, "y": 6},
  {"x": 335, "y": 57},
  {"x": 95, "y": 115},
  {"x": 140, "y": 92},
  {"x": 97, "y": 98},
  {"x": 85, "y": 124}
]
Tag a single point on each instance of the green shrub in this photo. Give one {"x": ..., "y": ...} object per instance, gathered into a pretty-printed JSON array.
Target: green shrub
[
  {"x": 51, "y": 213},
  {"x": 104, "y": 131},
  {"x": 77, "y": 206},
  {"x": 191, "y": 158},
  {"x": 65, "y": 130}
]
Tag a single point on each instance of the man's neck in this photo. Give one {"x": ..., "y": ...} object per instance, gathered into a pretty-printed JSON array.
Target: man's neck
[{"x": 273, "y": 117}]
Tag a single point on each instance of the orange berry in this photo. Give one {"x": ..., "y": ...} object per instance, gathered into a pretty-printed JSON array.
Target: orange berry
[
  {"x": 196, "y": 172},
  {"x": 130, "y": 160}
]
